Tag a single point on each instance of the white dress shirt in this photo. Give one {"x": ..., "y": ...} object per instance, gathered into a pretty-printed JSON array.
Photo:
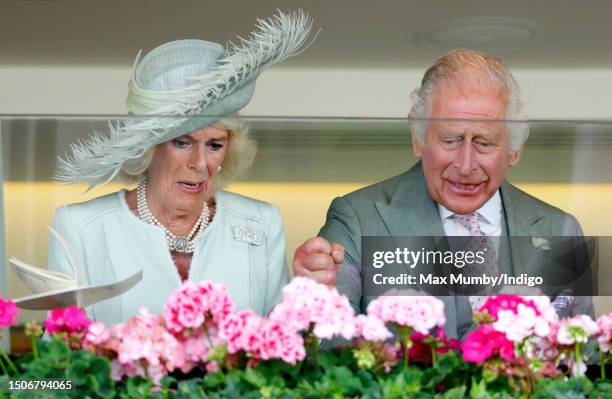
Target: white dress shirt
[{"x": 489, "y": 219}]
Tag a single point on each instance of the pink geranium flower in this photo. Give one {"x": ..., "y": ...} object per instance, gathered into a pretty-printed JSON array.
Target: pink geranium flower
[
  {"x": 241, "y": 331},
  {"x": 143, "y": 340},
  {"x": 420, "y": 312},
  {"x": 485, "y": 342},
  {"x": 8, "y": 313},
  {"x": 194, "y": 303},
  {"x": 307, "y": 304},
  {"x": 521, "y": 317},
  {"x": 494, "y": 304},
  {"x": 371, "y": 328},
  {"x": 280, "y": 341},
  {"x": 96, "y": 334},
  {"x": 605, "y": 333},
  {"x": 71, "y": 320}
]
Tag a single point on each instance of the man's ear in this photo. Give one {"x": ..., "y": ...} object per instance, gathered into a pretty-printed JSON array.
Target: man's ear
[
  {"x": 417, "y": 147},
  {"x": 515, "y": 156}
]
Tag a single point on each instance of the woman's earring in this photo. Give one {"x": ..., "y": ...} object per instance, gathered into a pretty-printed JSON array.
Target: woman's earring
[{"x": 218, "y": 168}]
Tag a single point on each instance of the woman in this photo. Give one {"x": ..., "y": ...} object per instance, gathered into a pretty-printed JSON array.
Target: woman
[{"x": 177, "y": 224}]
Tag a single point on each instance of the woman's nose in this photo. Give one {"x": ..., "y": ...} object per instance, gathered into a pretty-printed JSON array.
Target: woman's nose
[{"x": 197, "y": 160}]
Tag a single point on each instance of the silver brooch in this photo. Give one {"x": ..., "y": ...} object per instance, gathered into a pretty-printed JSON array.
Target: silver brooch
[{"x": 248, "y": 235}]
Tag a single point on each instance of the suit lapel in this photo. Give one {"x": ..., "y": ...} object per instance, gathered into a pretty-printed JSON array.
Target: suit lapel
[
  {"x": 522, "y": 222},
  {"x": 412, "y": 212}
]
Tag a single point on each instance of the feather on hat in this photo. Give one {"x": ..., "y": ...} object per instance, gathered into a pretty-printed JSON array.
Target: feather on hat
[{"x": 192, "y": 78}]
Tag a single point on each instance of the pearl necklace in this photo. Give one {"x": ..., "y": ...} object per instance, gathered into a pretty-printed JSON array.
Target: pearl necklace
[{"x": 183, "y": 244}]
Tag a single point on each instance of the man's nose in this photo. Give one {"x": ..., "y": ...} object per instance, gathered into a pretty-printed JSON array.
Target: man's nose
[{"x": 466, "y": 159}]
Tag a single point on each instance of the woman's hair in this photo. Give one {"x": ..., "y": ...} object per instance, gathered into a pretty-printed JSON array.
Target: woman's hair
[{"x": 241, "y": 150}]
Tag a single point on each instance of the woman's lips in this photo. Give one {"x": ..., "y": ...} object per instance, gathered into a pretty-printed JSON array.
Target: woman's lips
[
  {"x": 467, "y": 189},
  {"x": 190, "y": 187}
]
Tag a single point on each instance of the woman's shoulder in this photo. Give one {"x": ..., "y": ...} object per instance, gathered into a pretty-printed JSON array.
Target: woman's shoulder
[
  {"x": 87, "y": 211},
  {"x": 246, "y": 207}
]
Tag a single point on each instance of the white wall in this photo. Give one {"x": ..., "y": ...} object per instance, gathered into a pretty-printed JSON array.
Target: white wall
[{"x": 549, "y": 94}]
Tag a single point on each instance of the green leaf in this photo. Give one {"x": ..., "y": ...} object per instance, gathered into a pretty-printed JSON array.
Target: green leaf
[
  {"x": 189, "y": 389},
  {"x": 601, "y": 389},
  {"x": 489, "y": 375},
  {"x": 254, "y": 377},
  {"x": 214, "y": 381},
  {"x": 137, "y": 387},
  {"x": 54, "y": 349},
  {"x": 479, "y": 390},
  {"x": 574, "y": 388},
  {"x": 455, "y": 393}
]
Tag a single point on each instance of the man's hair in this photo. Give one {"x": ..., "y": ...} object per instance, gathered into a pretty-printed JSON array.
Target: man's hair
[
  {"x": 469, "y": 68},
  {"x": 241, "y": 150}
]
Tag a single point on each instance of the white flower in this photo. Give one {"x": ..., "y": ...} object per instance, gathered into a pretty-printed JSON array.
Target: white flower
[
  {"x": 541, "y": 244},
  {"x": 579, "y": 369},
  {"x": 577, "y": 329}
]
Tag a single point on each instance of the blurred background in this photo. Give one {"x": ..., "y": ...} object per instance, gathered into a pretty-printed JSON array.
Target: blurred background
[{"x": 328, "y": 121}]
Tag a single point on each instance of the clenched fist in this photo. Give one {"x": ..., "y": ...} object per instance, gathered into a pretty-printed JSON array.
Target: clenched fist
[{"x": 319, "y": 260}]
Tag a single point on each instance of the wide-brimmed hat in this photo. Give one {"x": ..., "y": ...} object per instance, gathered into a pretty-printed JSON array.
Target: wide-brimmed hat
[{"x": 197, "y": 79}]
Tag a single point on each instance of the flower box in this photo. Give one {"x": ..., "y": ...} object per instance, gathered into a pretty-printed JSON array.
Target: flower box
[{"x": 201, "y": 347}]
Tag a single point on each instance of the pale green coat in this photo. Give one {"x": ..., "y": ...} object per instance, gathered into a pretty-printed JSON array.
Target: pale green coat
[{"x": 110, "y": 243}]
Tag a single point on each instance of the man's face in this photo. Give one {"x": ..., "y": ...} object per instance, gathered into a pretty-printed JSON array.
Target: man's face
[{"x": 465, "y": 161}]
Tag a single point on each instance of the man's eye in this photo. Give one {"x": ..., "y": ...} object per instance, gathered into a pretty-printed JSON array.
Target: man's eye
[
  {"x": 451, "y": 141},
  {"x": 484, "y": 144}
]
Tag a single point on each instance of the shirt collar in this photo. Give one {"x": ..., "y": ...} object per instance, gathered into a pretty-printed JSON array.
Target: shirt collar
[{"x": 491, "y": 210}]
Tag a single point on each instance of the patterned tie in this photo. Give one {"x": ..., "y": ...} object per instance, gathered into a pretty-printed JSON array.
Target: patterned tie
[{"x": 489, "y": 267}]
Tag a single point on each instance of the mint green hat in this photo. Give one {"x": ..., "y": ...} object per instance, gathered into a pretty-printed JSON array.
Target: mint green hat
[{"x": 193, "y": 78}]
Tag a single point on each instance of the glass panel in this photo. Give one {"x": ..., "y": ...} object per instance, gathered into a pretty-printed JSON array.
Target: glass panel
[{"x": 301, "y": 165}]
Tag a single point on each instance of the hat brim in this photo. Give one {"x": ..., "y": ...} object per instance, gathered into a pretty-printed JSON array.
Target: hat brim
[{"x": 224, "y": 90}]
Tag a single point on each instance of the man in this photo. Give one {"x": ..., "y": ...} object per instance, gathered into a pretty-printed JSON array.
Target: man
[{"x": 457, "y": 189}]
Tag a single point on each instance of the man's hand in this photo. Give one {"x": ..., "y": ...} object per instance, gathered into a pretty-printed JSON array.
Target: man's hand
[{"x": 318, "y": 260}]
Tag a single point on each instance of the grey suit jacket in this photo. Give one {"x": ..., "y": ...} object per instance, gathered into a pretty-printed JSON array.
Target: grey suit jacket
[{"x": 402, "y": 206}]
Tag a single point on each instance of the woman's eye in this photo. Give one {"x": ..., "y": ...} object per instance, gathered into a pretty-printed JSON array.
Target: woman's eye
[
  {"x": 215, "y": 146},
  {"x": 180, "y": 143}
]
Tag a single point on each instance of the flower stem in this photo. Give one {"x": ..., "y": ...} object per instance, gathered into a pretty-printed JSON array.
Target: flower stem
[
  {"x": 407, "y": 346},
  {"x": 602, "y": 366},
  {"x": 434, "y": 355},
  {"x": 4, "y": 370},
  {"x": 8, "y": 361},
  {"x": 34, "y": 348},
  {"x": 578, "y": 355},
  {"x": 405, "y": 332}
]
